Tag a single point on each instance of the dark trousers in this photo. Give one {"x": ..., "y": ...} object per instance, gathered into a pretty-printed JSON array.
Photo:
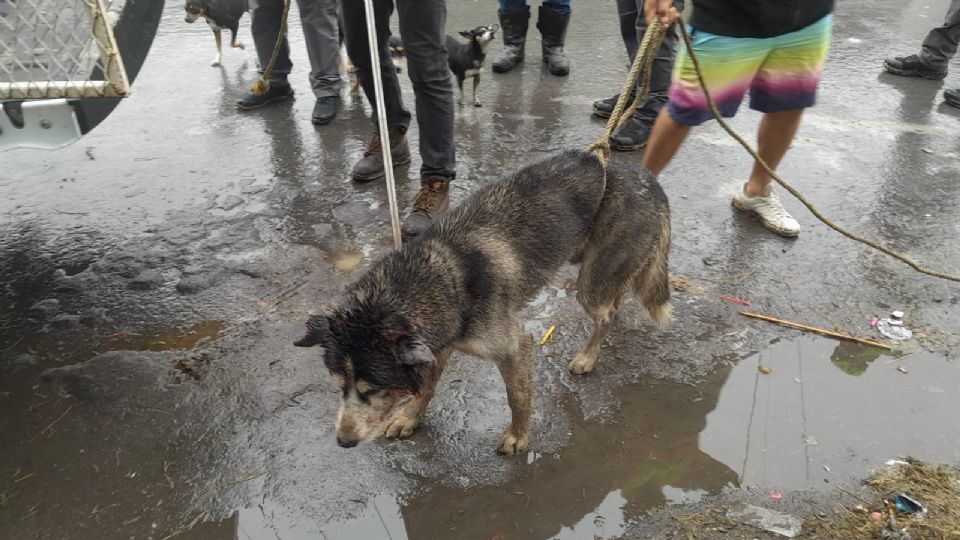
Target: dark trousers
[
  {"x": 940, "y": 44},
  {"x": 633, "y": 26},
  {"x": 423, "y": 32}
]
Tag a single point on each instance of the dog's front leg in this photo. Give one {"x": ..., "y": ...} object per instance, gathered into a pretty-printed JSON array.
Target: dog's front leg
[
  {"x": 233, "y": 41},
  {"x": 476, "y": 91},
  {"x": 409, "y": 414},
  {"x": 460, "y": 94},
  {"x": 216, "y": 59},
  {"x": 516, "y": 368}
]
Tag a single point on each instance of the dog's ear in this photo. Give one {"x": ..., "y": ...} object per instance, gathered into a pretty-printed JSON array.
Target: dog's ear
[
  {"x": 467, "y": 34},
  {"x": 412, "y": 351},
  {"x": 318, "y": 332}
]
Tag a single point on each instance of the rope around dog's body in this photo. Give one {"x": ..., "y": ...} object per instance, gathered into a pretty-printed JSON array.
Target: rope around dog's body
[
  {"x": 643, "y": 63},
  {"x": 262, "y": 86}
]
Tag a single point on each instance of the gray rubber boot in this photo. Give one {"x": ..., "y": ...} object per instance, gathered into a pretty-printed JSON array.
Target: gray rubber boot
[
  {"x": 514, "y": 26},
  {"x": 553, "y": 28}
]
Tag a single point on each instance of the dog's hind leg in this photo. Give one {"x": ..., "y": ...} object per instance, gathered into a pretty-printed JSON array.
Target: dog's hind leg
[
  {"x": 216, "y": 59},
  {"x": 233, "y": 40},
  {"x": 408, "y": 415},
  {"x": 460, "y": 94},
  {"x": 602, "y": 282}
]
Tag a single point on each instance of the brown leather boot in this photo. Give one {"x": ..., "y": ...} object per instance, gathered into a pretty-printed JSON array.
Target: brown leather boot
[
  {"x": 370, "y": 167},
  {"x": 432, "y": 201}
]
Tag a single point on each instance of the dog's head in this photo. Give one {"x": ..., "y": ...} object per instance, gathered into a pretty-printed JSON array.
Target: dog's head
[
  {"x": 377, "y": 359},
  {"x": 483, "y": 35},
  {"x": 194, "y": 9}
]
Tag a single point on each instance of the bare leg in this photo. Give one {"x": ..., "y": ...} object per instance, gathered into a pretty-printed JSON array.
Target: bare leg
[
  {"x": 516, "y": 368},
  {"x": 774, "y": 136},
  {"x": 665, "y": 140},
  {"x": 216, "y": 59},
  {"x": 408, "y": 416}
]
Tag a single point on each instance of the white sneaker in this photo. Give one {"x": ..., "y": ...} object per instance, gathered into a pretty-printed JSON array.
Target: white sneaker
[{"x": 770, "y": 211}]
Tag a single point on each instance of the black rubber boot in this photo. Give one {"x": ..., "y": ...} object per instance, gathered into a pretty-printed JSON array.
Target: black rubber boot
[
  {"x": 553, "y": 29},
  {"x": 514, "y": 26}
]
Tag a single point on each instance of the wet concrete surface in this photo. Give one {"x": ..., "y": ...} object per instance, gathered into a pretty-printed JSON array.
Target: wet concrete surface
[{"x": 155, "y": 273}]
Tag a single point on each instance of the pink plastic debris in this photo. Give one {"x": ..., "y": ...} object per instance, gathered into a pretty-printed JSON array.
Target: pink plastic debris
[
  {"x": 876, "y": 516},
  {"x": 775, "y": 495}
]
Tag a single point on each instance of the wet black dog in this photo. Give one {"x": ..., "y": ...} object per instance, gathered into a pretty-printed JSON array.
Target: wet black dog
[
  {"x": 220, "y": 15},
  {"x": 466, "y": 59},
  {"x": 461, "y": 285}
]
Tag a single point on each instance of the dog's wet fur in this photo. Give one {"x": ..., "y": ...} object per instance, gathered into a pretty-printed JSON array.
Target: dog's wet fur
[{"x": 460, "y": 286}]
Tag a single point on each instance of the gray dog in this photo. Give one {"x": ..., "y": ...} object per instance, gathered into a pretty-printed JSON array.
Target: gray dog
[{"x": 460, "y": 286}]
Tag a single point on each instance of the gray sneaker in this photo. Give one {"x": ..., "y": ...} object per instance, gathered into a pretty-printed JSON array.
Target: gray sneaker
[{"x": 770, "y": 211}]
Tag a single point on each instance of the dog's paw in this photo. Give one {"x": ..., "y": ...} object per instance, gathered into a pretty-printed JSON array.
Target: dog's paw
[
  {"x": 215, "y": 63},
  {"x": 512, "y": 443},
  {"x": 582, "y": 363},
  {"x": 240, "y": 46},
  {"x": 477, "y": 104},
  {"x": 402, "y": 424}
]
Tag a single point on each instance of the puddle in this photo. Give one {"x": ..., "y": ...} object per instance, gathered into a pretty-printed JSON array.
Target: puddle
[
  {"x": 174, "y": 339},
  {"x": 831, "y": 405},
  {"x": 827, "y": 412}
]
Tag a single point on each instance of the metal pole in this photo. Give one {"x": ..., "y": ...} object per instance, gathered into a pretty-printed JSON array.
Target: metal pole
[{"x": 382, "y": 122}]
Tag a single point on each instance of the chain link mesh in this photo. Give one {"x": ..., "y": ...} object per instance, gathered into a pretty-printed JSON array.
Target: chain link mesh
[{"x": 53, "y": 49}]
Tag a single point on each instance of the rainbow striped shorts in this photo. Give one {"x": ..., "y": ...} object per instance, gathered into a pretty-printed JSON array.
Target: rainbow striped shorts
[{"x": 781, "y": 72}]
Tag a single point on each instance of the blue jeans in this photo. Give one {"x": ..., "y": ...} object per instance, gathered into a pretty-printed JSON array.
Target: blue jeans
[{"x": 560, "y": 7}]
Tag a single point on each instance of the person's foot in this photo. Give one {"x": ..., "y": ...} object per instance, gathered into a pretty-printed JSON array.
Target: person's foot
[
  {"x": 370, "y": 166},
  {"x": 631, "y": 136},
  {"x": 952, "y": 97},
  {"x": 553, "y": 30},
  {"x": 325, "y": 110},
  {"x": 431, "y": 203},
  {"x": 274, "y": 94},
  {"x": 514, "y": 27},
  {"x": 912, "y": 66},
  {"x": 770, "y": 211},
  {"x": 604, "y": 107}
]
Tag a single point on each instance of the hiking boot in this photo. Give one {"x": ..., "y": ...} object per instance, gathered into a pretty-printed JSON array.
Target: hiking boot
[
  {"x": 770, "y": 211},
  {"x": 325, "y": 110},
  {"x": 553, "y": 29},
  {"x": 278, "y": 92},
  {"x": 514, "y": 26},
  {"x": 604, "y": 107},
  {"x": 952, "y": 97},
  {"x": 631, "y": 136},
  {"x": 912, "y": 66},
  {"x": 370, "y": 166},
  {"x": 432, "y": 201}
]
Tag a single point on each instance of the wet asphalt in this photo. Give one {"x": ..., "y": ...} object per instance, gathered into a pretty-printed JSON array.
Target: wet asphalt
[{"x": 155, "y": 272}]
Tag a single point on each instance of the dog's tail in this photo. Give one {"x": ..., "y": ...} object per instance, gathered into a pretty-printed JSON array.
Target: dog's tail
[{"x": 652, "y": 284}]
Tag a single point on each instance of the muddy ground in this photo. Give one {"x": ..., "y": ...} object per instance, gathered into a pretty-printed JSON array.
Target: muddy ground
[{"x": 155, "y": 273}]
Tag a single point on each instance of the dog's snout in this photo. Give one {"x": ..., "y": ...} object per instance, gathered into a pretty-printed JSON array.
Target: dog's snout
[{"x": 346, "y": 443}]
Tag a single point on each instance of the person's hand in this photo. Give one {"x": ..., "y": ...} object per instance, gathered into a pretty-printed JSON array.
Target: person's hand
[{"x": 660, "y": 9}]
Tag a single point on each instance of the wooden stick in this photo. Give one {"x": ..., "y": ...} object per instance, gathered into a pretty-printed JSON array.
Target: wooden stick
[{"x": 821, "y": 331}]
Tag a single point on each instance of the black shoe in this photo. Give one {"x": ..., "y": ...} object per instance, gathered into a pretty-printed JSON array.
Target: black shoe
[
  {"x": 952, "y": 97},
  {"x": 912, "y": 66},
  {"x": 370, "y": 166},
  {"x": 325, "y": 110},
  {"x": 604, "y": 107},
  {"x": 553, "y": 30},
  {"x": 432, "y": 202},
  {"x": 255, "y": 101},
  {"x": 632, "y": 136},
  {"x": 514, "y": 26}
]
